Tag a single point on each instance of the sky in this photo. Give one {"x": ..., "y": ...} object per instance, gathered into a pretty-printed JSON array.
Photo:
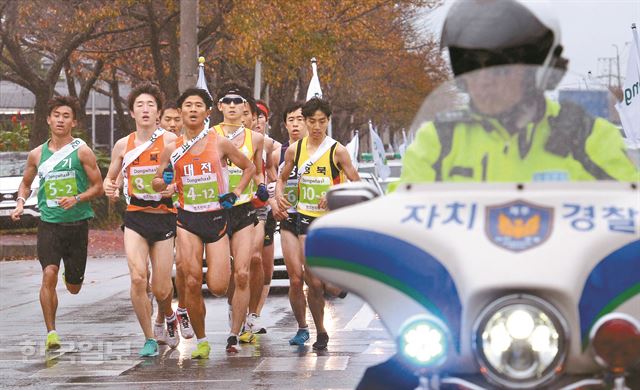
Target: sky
[{"x": 590, "y": 28}]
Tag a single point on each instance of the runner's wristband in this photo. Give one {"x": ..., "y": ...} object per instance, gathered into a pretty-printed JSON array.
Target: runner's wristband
[{"x": 21, "y": 198}]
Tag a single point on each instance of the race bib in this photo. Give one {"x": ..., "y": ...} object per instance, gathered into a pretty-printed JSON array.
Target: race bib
[
  {"x": 291, "y": 192},
  {"x": 311, "y": 190},
  {"x": 200, "y": 193},
  {"x": 141, "y": 178},
  {"x": 235, "y": 175},
  {"x": 59, "y": 184}
]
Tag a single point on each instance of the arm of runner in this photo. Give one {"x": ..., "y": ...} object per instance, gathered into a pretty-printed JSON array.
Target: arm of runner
[
  {"x": 90, "y": 165},
  {"x": 258, "y": 146},
  {"x": 158, "y": 183},
  {"x": 24, "y": 190},
  {"x": 344, "y": 160},
  {"x": 289, "y": 157},
  {"x": 113, "y": 180},
  {"x": 227, "y": 150},
  {"x": 272, "y": 161},
  {"x": 169, "y": 139}
]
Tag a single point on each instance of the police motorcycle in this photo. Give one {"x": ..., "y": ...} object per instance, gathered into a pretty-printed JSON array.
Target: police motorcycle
[{"x": 498, "y": 275}]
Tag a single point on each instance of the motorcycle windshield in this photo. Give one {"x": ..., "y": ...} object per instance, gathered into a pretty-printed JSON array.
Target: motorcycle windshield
[{"x": 498, "y": 124}]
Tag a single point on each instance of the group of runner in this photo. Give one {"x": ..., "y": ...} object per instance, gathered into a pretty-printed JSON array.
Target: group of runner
[{"x": 217, "y": 191}]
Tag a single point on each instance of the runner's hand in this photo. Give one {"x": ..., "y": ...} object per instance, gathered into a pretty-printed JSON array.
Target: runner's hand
[
  {"x": 111, "y": 189},
  {"x": 67, "y": 202},
  {"x": 228, "y": 200},
  {"x": 262, "y": 193},
  {"x": 283, "y": 203},
  {"x": 169, "y": 191},
  {"x": 16, "y": 213},
  {"x": 323, "y": 202},
  {"x": 167, "y": 175}
]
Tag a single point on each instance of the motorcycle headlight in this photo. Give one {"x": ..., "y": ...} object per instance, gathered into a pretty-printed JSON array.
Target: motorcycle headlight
[
  {"x": 520, "y": 341},
  {"x": 423, "y": 342}
]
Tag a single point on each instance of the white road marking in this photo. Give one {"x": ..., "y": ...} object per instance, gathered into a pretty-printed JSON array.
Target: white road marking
[
  {"x": 146, "y": 382},
  {"x": 362, "y": 319}
]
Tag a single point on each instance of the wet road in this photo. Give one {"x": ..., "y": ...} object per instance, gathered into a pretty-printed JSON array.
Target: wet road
[{"x": 101, "y": 338}]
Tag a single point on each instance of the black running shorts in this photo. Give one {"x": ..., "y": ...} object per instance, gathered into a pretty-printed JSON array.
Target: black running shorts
[
  {"x": 303, "y": 223},
  {"x": 153, "y": 227},
  {"x": 290, "y": 224},
  {"x": 240, "y": 217},
  {"x": 269, "y": 229},
  {"x": 66, "y": 241},
  {"x": 210, "y": 226}
]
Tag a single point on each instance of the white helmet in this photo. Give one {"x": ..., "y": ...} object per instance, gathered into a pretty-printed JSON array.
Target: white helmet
[{"x": 483, "y": 33}]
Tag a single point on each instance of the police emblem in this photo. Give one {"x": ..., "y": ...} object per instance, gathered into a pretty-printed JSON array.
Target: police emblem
[{"x": 518, "y": 225}]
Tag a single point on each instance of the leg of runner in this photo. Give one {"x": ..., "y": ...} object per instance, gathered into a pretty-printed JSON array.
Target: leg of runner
[
  {"x": 267, "y": 268},
  {"x": 315, "y": 298},
  {"x": 189, "y": 249},
  {"x": 162, "y": 263},
  {"x": 48, "y": 296},
  {"x": 219, "y": 266},
  {"x": 256, "y": 280},
  {"x": 137, "y": 252},
  {"x": 241, "y": 264},
  {"x": 293, "y": 260},
  {"x": 186, "y": 330}
]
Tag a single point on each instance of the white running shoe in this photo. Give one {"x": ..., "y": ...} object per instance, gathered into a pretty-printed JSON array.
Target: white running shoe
[
  {"x": 253, "y": 324},
  {"x": 159, "y": 333},
  {"x": 185, "y": 325},
  {"x": 173, "y": 338}
]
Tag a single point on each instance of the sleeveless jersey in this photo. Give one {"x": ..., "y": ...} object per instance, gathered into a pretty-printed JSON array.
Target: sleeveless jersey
[
  {"x": 316, "y": 181},
  {"x": 235, "y": 173},
  {"x": 201, "y": 178},
  {"x": 140, "y": 174},
  {"x": 68, "y": 178},
  {"x": 291, "y": 187}
]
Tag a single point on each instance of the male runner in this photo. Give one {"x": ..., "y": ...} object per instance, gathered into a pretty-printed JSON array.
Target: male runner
[
  {"x": 321, "y": 162},
  {"x": 263, "y": 252},
  {"x": 171, "y": 120},
  {"x": 199, "y": 162},
  {"x": 69, "y": 179},
  {"x": 242, "y": 217},
  {"x": 149, "y": 221}
]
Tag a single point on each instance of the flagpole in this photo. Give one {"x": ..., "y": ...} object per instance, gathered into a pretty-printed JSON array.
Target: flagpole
[{"x": 636, "y": 42}]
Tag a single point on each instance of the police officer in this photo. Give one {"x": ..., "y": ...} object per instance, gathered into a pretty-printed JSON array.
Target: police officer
[{"x": 510, "y": 131}]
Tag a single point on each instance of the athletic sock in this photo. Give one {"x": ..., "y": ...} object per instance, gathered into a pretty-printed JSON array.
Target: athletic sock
[
  {"x": 303, "y": 328},
  {"x": 52, "y": 331},
  {"x": 170, "y": 318},
  {"x": 233, "y": 334},
  {"x": 180, "y": 310},
  {"x": 202, "y": 339}
]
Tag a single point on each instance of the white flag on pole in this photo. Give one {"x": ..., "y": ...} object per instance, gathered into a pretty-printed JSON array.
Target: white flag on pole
[
  {"x": 202, "y": 84},
  {"x": 352, "y": 148},
  {"x": 379, "y": 155},
  {"x": 404, "y": 144},
  {"x": 629, "y": 106},
  {"x": 315, "y": 90}
]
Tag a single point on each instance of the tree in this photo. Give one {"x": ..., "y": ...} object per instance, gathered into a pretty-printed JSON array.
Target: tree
[{"x": 38, "y": 39}]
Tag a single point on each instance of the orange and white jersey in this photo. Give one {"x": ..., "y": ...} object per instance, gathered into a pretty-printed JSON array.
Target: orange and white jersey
[{"x": 201, "y": 178}]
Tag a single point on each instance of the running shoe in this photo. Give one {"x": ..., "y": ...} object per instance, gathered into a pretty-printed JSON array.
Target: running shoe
[
  {"x": 159, "y": 333},
  {"x": 53, "y": 341},
  {"x": 253, "y": 324},
  {"x": 233, "y": 346},
  {"x": 301, "y": 337},
  {"x": 247, "y": 337},
  {"x": 185, "y": 325},
  {"x": 321, "y": 341},
  {"x": 150, "y": 348},
  {"x": 173, "y": 338},
  {"x": 202, "y": 351}
]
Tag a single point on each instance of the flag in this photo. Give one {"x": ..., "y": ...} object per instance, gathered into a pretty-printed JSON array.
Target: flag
[
  {"x": 379, "y": 155},
  {"x": 315, "y": 90},
  {"x": 404, "y": 144},
  {"x": 202, "y": 84},
  {"x": 629, "y": 107},
  {"x": 352, "y": 148}
]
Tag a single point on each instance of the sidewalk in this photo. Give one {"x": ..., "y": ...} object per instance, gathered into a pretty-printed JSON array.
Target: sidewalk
[{"x": 102, "y": 243}]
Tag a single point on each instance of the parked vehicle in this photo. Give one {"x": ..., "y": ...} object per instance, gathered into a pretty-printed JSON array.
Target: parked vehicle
[{"x": 11, "y": 169}]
